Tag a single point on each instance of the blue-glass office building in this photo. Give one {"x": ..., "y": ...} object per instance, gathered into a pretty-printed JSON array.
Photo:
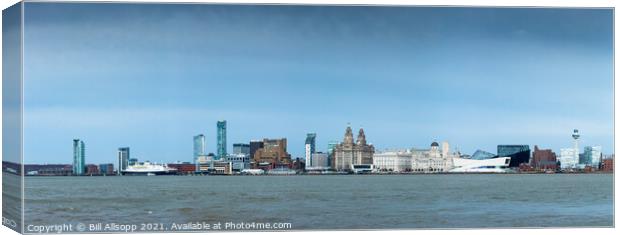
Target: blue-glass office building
[
  {"x": 200, "y": 146},
  {"x": 79, "y": 152},
  {"x": 221, "y": 139}
]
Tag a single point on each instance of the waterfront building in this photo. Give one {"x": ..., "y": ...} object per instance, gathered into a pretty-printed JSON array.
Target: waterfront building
[
  {"x": 569, "y": 158},
  {"x": 591, "y": 156},
  {"x": 310, "y": 148},
  {"x": 183, "y": 168},
  {"x": 123, "y": 159},
  {"x": 445, "y": 148},
  {"x": 585, "y": 159},
  {"x": 583, "y": 162},
  {"x": 331, "y": 145},
  {"x": 490, "y": 165},
  {"x": 200, "y": 145},
  {"x": 92, "y": 169},
  {"x": 204, "y": 162},
  {"x": 393, "y": 161},
  {"x": 517, "y": 153},
  {"x": 240, "y": 161},
  {"x": 106, "y": 169},
  {"x": 273, "y": 154},
  {"x": 63, "y": 171},
  {"x": 45, "y": 169},
  {"x": 349, "y": 154},
  {"x": 297, "y": 165},
  {"x": 482, "y": 155},
  {"x": 79, "y": 156},
  {"x": 320, "y": 162},
  {"x": 254, "y": 146},
  {"x": 216, "y": 167},
  {"x": 544, "y": 159},
  {"x": 221, "y": 139},
  {"x": 431, "y": 160},
  {"x": 607, "y": 163},
  {"x": 320, "y": 159},
  {"x": 200, "y": 148},
  {"x": 240, "y": 148}
]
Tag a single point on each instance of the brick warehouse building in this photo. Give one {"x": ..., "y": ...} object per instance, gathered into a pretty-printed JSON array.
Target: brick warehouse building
[
  {"x": 544, "y": 159},
  {"x": 608, "y": 165},
  {"x": 183, "y": 168},
  {"x": 272, "y": 155}
]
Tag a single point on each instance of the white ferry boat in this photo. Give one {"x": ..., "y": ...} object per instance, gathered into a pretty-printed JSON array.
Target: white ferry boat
[
  {"x": 281, "y": 171},
  {"x": 252, "y": 172},
  {"x": 148, "y": 168}
]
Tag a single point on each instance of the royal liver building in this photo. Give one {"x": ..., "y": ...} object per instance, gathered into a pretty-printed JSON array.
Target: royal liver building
[{"x": 350, "y": 153}]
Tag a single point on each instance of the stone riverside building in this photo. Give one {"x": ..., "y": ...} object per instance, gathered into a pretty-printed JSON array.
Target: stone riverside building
[{"x": 349, "y": 152}]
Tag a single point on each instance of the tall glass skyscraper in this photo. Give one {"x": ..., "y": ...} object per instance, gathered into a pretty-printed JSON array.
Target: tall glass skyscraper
[
  {"x": 200, "y": 146},
  {"x": 310, "y": 148},
  {"x": 79, "y": 152},
  {"x": 123, "y": 159},
  {"x": 221, "y": 139}
]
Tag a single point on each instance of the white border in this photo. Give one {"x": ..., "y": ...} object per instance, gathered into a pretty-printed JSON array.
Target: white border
[
  {"x": 500, "y": 3},
  {"x": 537, "y": 3}
]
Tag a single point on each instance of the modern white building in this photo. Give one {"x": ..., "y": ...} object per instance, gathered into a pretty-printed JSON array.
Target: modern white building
[
  {"x": 569, "y": 158},
  {"x": 318, "y": 161},
  {"x": 492, "y": 165}
]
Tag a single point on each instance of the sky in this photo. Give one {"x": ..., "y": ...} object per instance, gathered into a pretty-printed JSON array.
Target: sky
[{"x": 152, "y": 76}]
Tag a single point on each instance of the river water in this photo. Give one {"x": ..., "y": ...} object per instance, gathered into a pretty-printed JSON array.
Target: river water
[{"x": 328, "y": 202}]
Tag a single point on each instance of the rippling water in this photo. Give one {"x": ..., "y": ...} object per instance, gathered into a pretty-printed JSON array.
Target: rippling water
[
  {"x": 328, "y": 202},
  {"x": 11, "y": 200}
]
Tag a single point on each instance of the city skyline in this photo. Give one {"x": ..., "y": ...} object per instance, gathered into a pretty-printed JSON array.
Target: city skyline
[
  {"x": 475, "y": 77},
  {"x": 202, "y": 147}
]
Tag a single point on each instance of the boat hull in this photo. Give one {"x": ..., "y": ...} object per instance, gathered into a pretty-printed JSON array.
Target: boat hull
[{"x": 131, "y": 173}]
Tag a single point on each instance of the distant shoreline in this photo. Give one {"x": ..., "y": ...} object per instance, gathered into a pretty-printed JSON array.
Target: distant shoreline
[{"x": 334, "y": 174}]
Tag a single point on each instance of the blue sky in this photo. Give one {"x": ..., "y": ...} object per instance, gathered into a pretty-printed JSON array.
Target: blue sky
[{"x": 151, "y": 76}]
